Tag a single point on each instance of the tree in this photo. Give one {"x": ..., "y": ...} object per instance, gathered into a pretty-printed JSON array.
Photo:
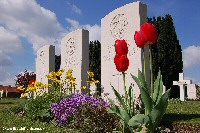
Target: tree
[
  {"x": 167, "y": 53},
  {"x": 23, "y": 79},
  {"x": 57, "y": 62},
  {"x": 95, "y": 60}
]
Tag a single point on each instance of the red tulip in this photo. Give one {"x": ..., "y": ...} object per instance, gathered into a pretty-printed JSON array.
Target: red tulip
[
  {"x": 147, "y": 35},
  {"x": 121, "y": 62},
  {"x": 121, "y": 47},
  {"x": 32, "y": 82}
]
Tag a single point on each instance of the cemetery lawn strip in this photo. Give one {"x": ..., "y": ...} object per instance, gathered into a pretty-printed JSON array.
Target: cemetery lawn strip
[
  {"x": 10, "y": 120},
  {"x": 183, "y": 114}
]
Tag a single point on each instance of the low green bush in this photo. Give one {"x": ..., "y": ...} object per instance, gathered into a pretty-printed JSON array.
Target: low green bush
[{"x": 39, "y": 108}]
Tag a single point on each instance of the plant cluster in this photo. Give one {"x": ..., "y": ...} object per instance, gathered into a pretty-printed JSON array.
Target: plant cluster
[
  {"x": 83, "y": 112},
  {"x": 23, "y": 79},
  {"x": 155, "y": 103}
]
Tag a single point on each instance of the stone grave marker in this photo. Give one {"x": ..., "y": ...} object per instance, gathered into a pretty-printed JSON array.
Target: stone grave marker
[
  {"x": 192, "y": 91},
  {"x": 45, "y": 63},
  {"x": 182, "y": 83},
  {"x": 75, "y": 55},
  {"x": 122, "y": 24}
]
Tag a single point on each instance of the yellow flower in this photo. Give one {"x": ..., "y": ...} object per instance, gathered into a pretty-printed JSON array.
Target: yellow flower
[
  {"x": 21, "y": 88},
  {"x": 96, "y": 81},
  {"x": 83, "y": 87},
  {"x": 39, "y": 92},
  {"x": 90, "y": 74},
  {"x": 38, "y": 85},
  {"x": 69, "y": 74},
  {"x": 24, "y": 95},
  {"x": 49, "y": 76},
  {"x": 62, "y": 70},
  {"x": 89, "y": 82}
]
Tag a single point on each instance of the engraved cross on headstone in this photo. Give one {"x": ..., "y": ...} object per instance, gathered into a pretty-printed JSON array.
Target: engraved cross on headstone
[{"x": 182, "y": 83}]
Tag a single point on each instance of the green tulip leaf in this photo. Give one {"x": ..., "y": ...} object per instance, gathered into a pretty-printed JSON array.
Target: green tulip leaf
[
  {"x": 130, "y": 101},
  {"x": 119, "y": 98},
  {"x": 145, "y": 96},
  {"x": 158, "y": 88},
  {"x": 142, "y": 80},
  {"x": 159, "y": 110},
  {"x": 118, "y": 111},
  {"x": 138, "y": 120}
]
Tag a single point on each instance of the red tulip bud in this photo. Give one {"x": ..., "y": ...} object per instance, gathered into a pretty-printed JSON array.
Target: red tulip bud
[
  {"x": 147, "y": 35},
  {"x": 121, "y": 47},
  {"x": 121, "y": 62}
]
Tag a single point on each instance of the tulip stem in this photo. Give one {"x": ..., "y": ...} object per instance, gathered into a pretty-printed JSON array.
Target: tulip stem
[
  {"x": 124, "y": 78},
  {"x": 144, "y": 63},
  {"x": 151, "y": 69}
]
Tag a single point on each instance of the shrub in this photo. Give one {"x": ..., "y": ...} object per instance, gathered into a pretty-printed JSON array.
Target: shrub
[
  {"x": 39, "y": 108},
  {"x": 23, "y": 79},
  {"x": 83, "y": 112}
]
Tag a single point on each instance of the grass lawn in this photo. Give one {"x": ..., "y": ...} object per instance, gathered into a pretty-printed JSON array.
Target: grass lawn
[
  {"x": 180, "y": 115},
  {"x": 183, "y": 116},
  {"x": 8, "y": 120}
]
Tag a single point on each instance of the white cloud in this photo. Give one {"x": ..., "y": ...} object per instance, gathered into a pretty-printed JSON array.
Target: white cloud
[
  {"x": 28, "y": 19},
  {"x": 9, "y": 41},
  {"x": 25, "y": 19},
  {"x": 6, "y": 78},
  {"x": 5, "y": 60},
  {"x": 191, "y": 56},
  {"x": 94, "y": 31},
  {"x": 74, "y": 8}
]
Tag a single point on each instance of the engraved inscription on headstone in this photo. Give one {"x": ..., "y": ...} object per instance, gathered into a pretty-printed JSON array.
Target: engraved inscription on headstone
[
  {"x": 118, "y": 26},
  {"x": 75, "y": 55},
  {"x": 45, "y": 63},
  {"x": 121, "y": 24}
]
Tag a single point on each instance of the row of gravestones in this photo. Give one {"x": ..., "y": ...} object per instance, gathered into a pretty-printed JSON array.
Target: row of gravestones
[{"x": 119, "y": 24}]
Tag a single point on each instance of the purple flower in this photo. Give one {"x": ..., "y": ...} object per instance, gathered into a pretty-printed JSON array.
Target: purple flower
[{"x": 66, "y": 109}]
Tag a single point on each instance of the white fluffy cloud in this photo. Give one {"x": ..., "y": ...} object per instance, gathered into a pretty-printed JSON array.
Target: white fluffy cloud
[
  {"x": 28, "y": 19},
  {"x": 191, "y": 56},
  {"x": 25, "y": 19},
  {"x": 94, "y": 31},
  {"x": 9, "y": 41},
  {"x": 74, "y": 8}
]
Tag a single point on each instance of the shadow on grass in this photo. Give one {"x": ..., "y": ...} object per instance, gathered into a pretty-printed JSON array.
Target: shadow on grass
[
  {"x": 169, "y": 118},
  {"x": 6, "y": 103}
]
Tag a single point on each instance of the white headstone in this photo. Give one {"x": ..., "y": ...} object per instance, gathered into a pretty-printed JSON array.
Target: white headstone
[
  {"x": 45, "y": 63},
  {"x": 192, "y": 91},
  {"x": 181, "y": 83},
  {"x": 1, "y": 94},
  {"x": 75, "y": 55},
  {"x": 122, "y": 24}
]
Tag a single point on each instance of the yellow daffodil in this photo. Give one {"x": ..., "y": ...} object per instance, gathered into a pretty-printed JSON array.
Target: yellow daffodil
[
  {"x": 90, "y": 74},
  {"x": 39, "y": 92},
  {"x": 83, "y": 88},
  {"x": 21, "y": 88},
  {"x": 24, "y": 95}
]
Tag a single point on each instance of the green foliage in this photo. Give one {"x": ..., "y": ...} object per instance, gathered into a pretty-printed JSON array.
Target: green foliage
[
  {"x": 57, "y": 62},
  {"x": 198, "y": 92},
  {"x": 23, "y": 79},
  {"x": 126, "y": 113},
  {"x": 95, "y": 121},
  {"x": 39, "y": 108},
  {"x": 95, "y": 60},
  {"x": 155, "y": 105},
  {"x": 175, "y": 101},
  {"x": 167, "y": 53},
  {"x": 10, "y": 119},
  {"x": 182, "y": 116}
]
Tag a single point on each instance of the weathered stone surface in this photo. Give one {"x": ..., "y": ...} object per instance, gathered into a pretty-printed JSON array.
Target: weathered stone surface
[
  {"x": 75, "y": 55},
  {"x": 122, "y": 24},
  {"x": 45, "y": 63}
]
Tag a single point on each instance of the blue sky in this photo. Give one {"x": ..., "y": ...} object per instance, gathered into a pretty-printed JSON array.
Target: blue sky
[{"x": 27, "y": 25}]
